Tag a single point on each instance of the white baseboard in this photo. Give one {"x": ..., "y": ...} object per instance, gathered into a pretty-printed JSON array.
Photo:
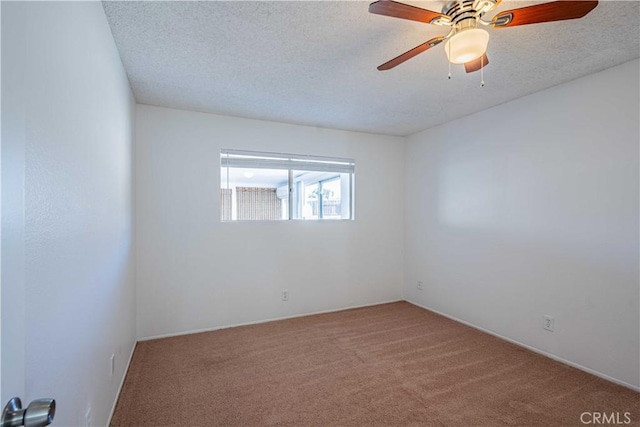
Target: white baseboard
[
  {"x": 215, "y": 328},
  {"x": 534, "y": 349},
  {"x": 124, "y": 376}
]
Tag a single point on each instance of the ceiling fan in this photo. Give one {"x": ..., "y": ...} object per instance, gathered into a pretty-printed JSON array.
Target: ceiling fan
[{"x": 466, "y": 42}]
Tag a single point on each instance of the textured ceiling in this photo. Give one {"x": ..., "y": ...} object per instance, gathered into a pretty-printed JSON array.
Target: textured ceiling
[{"x": 314, "y": 62}]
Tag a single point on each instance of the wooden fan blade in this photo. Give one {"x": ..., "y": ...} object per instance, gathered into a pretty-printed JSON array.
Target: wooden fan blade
[
  {"x": 546, "y": 12},
  {"x": 410, "y": 54},
  {"x": 476, "y": 64},
  {"x": 404, "y": 11}
]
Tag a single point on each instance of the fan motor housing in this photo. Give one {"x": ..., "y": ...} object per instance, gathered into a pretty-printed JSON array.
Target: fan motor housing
[
  {"x": 459, "y": 10},
  {"x": 465, "y": 10},
  {"x": 454, "y": 7}
]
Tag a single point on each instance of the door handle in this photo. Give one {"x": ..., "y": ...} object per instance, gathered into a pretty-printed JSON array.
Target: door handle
[{"x": 39, "y": 413}]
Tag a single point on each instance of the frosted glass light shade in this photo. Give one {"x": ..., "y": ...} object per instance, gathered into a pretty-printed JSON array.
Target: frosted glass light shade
[{"x": 467, "y": 45}]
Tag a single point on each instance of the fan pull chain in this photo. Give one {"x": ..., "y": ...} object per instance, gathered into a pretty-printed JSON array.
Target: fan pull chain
[
  {"x": 482, "y": 71},
  {"x": 449, "y": 60}
]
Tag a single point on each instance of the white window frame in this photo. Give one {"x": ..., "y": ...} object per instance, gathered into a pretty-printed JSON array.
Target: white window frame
[{"x": 290, "y": 162}]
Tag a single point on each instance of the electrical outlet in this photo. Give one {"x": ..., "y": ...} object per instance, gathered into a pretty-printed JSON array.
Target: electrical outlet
[
  {"x": 112, "y": 364},
  {"x": 87, "y": 418},
  {"x": 548, "y": 323},
  {"x": 285, "y": 295},
  {"x": 419, "y": 285}
]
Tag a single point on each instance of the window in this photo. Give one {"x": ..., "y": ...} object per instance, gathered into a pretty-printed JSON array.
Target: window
[{"x": 277, "y": 186}]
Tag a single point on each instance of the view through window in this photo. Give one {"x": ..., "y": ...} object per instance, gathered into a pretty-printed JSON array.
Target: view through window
[{"x": 276, "y": 186}]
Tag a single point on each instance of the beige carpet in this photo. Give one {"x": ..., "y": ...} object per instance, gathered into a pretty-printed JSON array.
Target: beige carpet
[{"x": 387, "y": 365}]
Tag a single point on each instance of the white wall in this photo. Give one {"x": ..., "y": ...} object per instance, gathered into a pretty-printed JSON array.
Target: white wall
[
  {"x": 194, "y": 272},
  {"x": 70, "y": 229},
  {"x": 531, "y": 208}
]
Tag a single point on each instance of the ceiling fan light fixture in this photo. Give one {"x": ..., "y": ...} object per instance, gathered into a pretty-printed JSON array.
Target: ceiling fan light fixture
[{"x": 467, "y": 45}]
